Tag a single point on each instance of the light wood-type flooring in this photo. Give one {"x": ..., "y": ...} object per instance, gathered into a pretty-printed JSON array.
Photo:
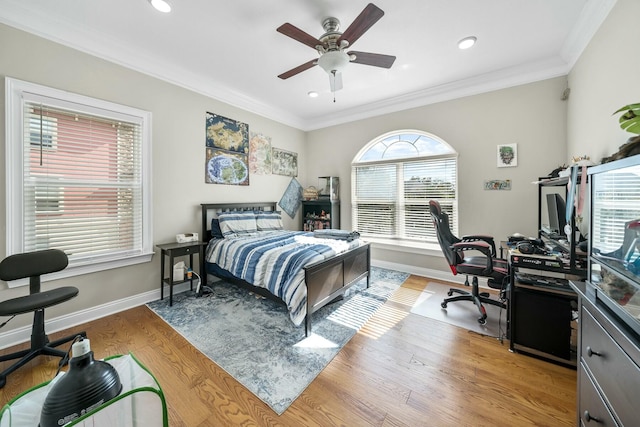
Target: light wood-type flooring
[{"x": 399, "y": 370}]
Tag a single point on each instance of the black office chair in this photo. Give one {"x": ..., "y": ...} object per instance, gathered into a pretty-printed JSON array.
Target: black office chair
[
  {"x": 485, "y": 265},
  {"x": 33, "y": 265}
]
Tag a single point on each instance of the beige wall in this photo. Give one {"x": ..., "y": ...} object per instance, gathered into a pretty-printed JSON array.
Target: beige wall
[
  {"x": 532, "y": 116},
  {"x": 605, "y": 78},
  {"x": 547, "y": 131},
  {"x": 178, "y": 154}
]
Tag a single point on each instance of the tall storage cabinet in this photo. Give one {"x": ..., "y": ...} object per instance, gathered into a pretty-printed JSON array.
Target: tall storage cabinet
[{"x": 320, "y": 214}]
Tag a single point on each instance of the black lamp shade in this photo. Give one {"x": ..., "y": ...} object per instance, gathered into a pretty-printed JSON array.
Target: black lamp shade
[{"x": 88, "y": 384}]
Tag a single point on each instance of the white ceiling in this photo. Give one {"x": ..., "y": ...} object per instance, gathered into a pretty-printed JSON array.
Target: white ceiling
[{"x": 230, "y": 50}]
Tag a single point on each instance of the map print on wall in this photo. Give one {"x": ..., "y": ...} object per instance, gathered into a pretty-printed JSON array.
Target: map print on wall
[
  {"x": 224, "y": 167},
  {"x": 227, "y": 134},
  {"x": 259, "y": 154},
  {"x": 284, "y": 162},
  {"x": 227, "y": 152},
  {"x": 292, "y": 198}
]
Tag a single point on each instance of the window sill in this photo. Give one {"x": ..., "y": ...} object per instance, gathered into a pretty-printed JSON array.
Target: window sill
[
  {"x": 429, "y": 249},
  {"x": 94, "y": 267}
]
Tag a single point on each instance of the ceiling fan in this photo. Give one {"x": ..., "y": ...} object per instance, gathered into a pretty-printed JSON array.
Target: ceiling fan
[{"x": 332, "y": 44}]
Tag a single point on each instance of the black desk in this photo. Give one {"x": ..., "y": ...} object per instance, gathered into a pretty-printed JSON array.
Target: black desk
[
  {"x": 542, "y": 310},
  {"x": 173, "y": 250}
]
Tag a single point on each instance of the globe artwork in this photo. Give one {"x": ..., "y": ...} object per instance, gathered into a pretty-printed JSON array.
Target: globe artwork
[{"x": 226, "y": 169}]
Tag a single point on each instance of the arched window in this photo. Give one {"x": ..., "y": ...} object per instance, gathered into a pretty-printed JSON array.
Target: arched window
[{"x": 394, "y": 176}]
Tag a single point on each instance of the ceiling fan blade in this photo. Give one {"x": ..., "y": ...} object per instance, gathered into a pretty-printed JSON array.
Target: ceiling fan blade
[
  {"x": 298, "y": 69},
  {"x": 369, "y": 16},
  {"x": 299, "y": 35},
  {"x": 375, "y": 59},
  {"x": 335, "y": 81}
]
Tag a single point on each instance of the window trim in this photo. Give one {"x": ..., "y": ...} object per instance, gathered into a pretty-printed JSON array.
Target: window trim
[{"x": 14, "y": 90}]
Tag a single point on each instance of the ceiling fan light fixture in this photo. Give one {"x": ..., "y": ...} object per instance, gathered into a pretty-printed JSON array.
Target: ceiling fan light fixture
[
  {"x": 161, "y": 5},
  {"x": 467, "y": 42},
  {"x": 333, "y": 61}
]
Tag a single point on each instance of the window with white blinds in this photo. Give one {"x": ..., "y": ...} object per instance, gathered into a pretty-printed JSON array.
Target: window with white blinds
[
  {"x": 616, "y": 213},
  {"x": 79, "y": 177},
  {"x": 394, "y": 177}
]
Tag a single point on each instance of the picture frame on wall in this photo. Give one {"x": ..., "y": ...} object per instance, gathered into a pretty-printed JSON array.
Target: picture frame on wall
[
  {"x": 284, "y": 162},
  {"x": 507, "y": 155}
]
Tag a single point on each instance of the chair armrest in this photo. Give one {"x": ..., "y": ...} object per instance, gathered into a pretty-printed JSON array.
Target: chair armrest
[
  {"x": 477, "y": 245},
  {"x": 481, "y": 237}
]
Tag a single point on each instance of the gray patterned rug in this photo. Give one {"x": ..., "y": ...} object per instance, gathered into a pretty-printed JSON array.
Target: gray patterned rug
[{"x": 253, "y": 339}]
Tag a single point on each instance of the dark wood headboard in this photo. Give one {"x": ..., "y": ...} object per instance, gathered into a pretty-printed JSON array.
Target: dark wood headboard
[{"x": 212, "y": 210}]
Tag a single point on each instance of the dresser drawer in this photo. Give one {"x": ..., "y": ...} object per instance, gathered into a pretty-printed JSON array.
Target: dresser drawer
[
  {"x": 591, "y": 407},
  {"x": 617, "y": 375}
]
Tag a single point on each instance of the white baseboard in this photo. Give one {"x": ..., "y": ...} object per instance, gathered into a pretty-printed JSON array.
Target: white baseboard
[
  {"x": 419, "y": 271},
  {"x": 23, "y": 334}
]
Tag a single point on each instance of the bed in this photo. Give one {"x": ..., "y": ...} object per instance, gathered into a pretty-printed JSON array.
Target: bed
[{"x": 312, "y": 278}]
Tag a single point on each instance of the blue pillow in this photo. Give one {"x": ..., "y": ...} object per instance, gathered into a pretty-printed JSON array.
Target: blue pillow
[{"x": 216, "y": 233}]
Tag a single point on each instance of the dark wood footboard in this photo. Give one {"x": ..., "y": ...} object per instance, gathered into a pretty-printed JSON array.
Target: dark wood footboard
[{"x": 329, "y": 279}]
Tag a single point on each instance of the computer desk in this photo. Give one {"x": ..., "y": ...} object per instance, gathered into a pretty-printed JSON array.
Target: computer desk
[{"x": 542, "y": 308}]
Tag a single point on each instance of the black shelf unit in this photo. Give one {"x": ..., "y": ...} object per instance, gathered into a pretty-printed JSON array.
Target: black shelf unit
[
  {"x": 543, "y": 307},
  {"x": 322, "y": 213},
  {"x": 577, "y": 259}
]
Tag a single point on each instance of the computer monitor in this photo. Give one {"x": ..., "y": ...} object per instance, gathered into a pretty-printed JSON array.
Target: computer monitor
[{"x": 557, "y": 213}]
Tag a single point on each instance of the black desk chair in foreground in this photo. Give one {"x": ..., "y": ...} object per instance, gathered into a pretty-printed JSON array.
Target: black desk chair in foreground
[
  {"x": 485, "y": 265},
  {"x": 33, "y": 265}
]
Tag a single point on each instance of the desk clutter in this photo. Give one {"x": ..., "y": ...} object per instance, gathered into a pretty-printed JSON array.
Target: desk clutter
[{"x": 538, "y": 253}]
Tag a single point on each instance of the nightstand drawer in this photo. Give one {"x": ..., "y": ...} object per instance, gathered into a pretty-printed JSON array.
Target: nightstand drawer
[
  {"x": 616, "y": 373},
  {"x": 176, "y": 252}
]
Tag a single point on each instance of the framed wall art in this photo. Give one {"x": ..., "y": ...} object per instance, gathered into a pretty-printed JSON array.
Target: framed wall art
[
  {"x": 226, "y": 167},
  {"x": 498, "y": 184},
  {"x": 259, "y": 154},
  {"x": 227, "y": 134},
  {"x": 507, "y": 155},
  {"x": 284, "y": 162},
  {"x": 227, "y": 151}
]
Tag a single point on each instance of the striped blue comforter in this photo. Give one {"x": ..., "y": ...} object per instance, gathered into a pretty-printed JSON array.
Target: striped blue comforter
[{"x": 274, "y": 260}]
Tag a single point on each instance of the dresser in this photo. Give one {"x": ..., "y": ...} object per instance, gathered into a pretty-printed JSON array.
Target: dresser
[{"x": 608, "y": 364}]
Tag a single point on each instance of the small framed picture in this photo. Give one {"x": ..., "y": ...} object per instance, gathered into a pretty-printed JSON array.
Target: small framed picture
[{"x": 507, "y": 155}]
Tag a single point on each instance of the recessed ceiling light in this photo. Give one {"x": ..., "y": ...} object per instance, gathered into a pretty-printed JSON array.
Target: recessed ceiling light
[
  {"x": 312, "y": 94},
  {"x": 161, "y": 5},
  {"x": 467, "y": 42}
]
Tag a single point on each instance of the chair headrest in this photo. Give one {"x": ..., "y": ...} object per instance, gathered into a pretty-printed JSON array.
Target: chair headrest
[{"x": 31, "y": 264}]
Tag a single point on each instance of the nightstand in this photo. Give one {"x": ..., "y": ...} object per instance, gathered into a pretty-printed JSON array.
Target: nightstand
[{"x": 173, "y": 250}]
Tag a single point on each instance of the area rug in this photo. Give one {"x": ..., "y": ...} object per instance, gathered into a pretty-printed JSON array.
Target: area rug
[
  {"x": 253, "y": 339},
  {"x": 460, "y": 313}
]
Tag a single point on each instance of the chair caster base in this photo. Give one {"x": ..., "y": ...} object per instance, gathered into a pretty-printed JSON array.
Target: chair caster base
[
  {"x": 443, "y": 305},
  {"x": 449, "y": 293},
  {"x": 482, "y": 320}
]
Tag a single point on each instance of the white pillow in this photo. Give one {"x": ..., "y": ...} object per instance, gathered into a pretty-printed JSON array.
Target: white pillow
[
  {"x": 268, "y": 221},
  {"x": 236, "y": 224}
]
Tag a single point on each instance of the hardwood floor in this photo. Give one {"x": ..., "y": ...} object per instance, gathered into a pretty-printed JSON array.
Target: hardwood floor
[{"x": 399, "y": 370}]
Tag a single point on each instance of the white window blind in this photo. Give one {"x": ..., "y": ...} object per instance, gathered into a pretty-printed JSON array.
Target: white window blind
[
  {"x": 375, "y": 200},
  {"x": 394, "y": 178},
  {"x": 615, "y": 201},
  {"x": 81, "y": 195},
  {"x": 79, "y": 177}
]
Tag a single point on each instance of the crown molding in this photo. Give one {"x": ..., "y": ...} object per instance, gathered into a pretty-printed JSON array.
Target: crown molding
[
  {"x": 591, "y": 18},
  {"x": 18, "y": 14}
]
